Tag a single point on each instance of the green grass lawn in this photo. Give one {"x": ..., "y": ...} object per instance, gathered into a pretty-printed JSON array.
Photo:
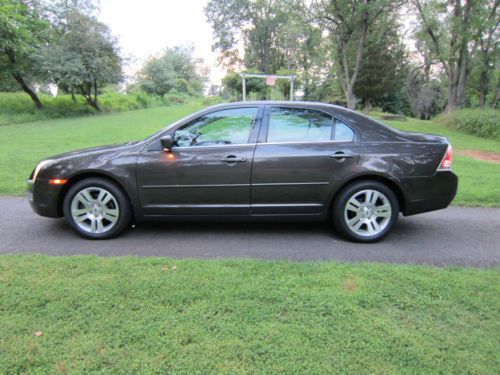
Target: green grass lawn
[
  {"x": 22, "y": 145},
  {"x": 137, "y": 315}
]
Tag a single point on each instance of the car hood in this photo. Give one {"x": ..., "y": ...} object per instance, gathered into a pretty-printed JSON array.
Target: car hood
[{"x": 94, "y": 151}]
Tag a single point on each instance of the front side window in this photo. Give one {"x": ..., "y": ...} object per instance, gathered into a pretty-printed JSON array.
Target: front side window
[
  {"x": 230, "y": 126},
  {"x": 298, "y": 125}
]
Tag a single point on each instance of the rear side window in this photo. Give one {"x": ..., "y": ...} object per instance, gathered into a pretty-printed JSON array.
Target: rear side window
[
  {"x": 299, "y": 125},
  {"x": 342, "y": 132}
]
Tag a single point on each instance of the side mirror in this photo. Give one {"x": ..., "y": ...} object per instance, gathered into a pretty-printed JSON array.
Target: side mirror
[{"x": 167, "y": 142}]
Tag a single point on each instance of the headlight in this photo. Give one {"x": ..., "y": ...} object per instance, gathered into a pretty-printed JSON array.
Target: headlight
[{"x": 39, "y": 167}]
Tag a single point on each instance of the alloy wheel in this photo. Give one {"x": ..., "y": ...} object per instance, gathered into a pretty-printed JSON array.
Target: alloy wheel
[
  {"x": 367, "y": 213},
  {"x": 95, "y": 210}
]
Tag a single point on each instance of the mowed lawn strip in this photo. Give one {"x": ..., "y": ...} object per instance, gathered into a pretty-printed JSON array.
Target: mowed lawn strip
[
  {"x": 158, "y": 315},
  {"x": 22, "y": 145}
]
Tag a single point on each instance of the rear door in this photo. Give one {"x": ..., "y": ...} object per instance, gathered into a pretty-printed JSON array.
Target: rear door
[{"x": 300, "y": 154}]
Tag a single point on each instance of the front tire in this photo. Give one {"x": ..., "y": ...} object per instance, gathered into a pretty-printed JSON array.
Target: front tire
[
  {"x": 97, "y": 209},
  {"x": 365, "y": 211}
]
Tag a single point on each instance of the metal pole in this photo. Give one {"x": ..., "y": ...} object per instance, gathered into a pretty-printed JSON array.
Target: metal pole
[
  {"x": 244, "y": 87},
  {"x": 291, "y": 89}
]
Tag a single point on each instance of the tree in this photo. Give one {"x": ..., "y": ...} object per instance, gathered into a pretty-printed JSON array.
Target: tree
[
  {"x": 425, "y": 95},
  {"x": 348, "y": 23},
  {"x": 487, "y": 35},
  {"x": 382, "y": 71},
  {"x": 451, "y": 30},
  {"x": 85, "y": 58},
  {"x": 271, "y": 32},
  {"x": 176, "y": 68},
  {"x": 22, "y": 32}
]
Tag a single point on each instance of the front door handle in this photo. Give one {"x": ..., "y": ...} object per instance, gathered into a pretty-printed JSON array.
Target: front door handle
[
  {"x": 233, "y": 159},
  {"x": 341, "y": 155}
]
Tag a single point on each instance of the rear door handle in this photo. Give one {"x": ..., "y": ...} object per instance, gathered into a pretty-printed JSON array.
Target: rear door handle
[
  {"x": 233, "y": 159},
  {"x": 341, "y": 155}
]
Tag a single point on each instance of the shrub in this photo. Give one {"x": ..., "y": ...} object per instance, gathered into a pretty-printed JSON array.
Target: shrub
[
  {"x": 212, "y": 100},
  {"x": 481, "y": 122},
  {"x": 18, "y": 107}
]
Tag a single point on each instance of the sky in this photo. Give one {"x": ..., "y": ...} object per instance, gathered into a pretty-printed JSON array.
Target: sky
[{"x": 146, "y": 27}]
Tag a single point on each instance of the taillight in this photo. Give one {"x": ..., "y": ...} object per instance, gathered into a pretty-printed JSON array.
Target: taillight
[{"x": 447, "y": 160}]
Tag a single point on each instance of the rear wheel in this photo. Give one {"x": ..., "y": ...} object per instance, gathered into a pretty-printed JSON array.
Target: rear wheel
[
  {"x": 365, "y": 211},
  {"x": 96, "y": 208}
]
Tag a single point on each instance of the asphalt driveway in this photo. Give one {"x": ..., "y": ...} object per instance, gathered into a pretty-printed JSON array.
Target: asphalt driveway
[{"x": 455, "y": 236}]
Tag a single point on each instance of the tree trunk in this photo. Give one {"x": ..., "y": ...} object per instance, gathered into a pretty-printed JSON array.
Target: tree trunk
[
  {"x": 351, "y": 99},
  {"x": 28, "y": 90},
  {"x": 495, "y": 100},
  {"x": 368, "y": 106},
  {"x": 19, "y": 78}
]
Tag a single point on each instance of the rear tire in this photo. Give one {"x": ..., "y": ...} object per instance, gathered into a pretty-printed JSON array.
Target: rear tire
[
  {"x": 97, "y": 209},
  {"x": 365, "y": 211}
]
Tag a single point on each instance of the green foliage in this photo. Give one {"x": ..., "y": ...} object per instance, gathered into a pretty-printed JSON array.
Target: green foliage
[
  {"x": 483, "y": 123},
  {"x": 212, "y": 100},
  {"x": 175, "y": 70},
  {"x": 139, "y": 315},
  {"x": 85, "y": 58},
  {"x": 18, "y": 108},
  {"x": 383, "y": 66},
  {"x": 22, "y": 33},
  {"x": 275, "y": 34}
]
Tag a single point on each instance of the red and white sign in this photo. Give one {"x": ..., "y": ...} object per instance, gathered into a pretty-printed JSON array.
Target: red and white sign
[{"x": 270, "y": 80}]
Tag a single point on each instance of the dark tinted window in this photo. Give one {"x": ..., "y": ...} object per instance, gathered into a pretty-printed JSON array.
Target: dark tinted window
[
  {"x": 230, "y": 126},
  {"x": 299, "y": 125},
  {"x": 342, "y": 132}
]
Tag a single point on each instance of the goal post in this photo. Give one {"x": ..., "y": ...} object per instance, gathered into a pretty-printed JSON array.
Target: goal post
[{"x": 268, "y": 78}]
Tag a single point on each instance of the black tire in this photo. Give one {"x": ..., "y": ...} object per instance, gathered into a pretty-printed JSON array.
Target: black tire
[
  {"x": 119, "y": 199},
  {"x": 340, "y": 221}
]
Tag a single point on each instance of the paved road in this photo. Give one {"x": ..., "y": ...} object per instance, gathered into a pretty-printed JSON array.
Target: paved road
[{"x": 455, "y": 236}]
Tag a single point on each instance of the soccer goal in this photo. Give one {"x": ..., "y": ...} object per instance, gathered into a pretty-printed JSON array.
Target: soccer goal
[{"x": 270, "y": 81}]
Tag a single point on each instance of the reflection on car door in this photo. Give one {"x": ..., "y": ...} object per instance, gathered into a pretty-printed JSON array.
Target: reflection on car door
[
  {"x": 207, "y": 171},
  {"x": 300, "y": 154}
]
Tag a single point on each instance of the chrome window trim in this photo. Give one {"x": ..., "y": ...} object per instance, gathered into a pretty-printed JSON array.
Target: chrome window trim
[
  {"x": 303, "y": 143},
  {"x": 180, "y": 148}
]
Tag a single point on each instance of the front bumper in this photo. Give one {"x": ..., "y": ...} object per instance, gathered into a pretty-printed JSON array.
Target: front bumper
[
  {"x": 432, "y": 193},
  {"x": 44, "y": 198}
]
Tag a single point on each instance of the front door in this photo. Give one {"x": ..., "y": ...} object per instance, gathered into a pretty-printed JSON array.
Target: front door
[
  {"x": 300, "y": 155},
  {"x": 208, "y": 169}
]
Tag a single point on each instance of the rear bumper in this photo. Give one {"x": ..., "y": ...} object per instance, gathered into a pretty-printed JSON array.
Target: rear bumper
[
  {"x": 44, "y": 198},
  {"x": 425, "y": 194}
]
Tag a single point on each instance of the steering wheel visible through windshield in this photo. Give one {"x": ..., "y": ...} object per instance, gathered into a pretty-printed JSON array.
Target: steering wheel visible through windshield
[{"x": 225, "y": 127}]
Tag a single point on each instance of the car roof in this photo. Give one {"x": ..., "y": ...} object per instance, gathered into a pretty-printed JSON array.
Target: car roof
[{"x": 282, "y": 102}]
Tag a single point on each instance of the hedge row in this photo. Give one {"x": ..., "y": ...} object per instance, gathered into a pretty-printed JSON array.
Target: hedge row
[{"x": 481, "y": 122}]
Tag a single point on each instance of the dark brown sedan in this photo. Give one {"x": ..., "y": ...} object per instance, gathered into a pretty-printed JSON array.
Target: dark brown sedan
[{"x": 252, "y": 160}]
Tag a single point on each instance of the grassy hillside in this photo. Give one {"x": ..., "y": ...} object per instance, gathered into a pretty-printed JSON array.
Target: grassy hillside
[
  {"x": 129, "y": 315},
  {"x": 24, "y": 144}
]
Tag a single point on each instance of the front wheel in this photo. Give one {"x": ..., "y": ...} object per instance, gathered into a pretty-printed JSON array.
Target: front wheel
[
  {"x": 96, "y": 208},
  {"x": 365, "y": 211}
]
